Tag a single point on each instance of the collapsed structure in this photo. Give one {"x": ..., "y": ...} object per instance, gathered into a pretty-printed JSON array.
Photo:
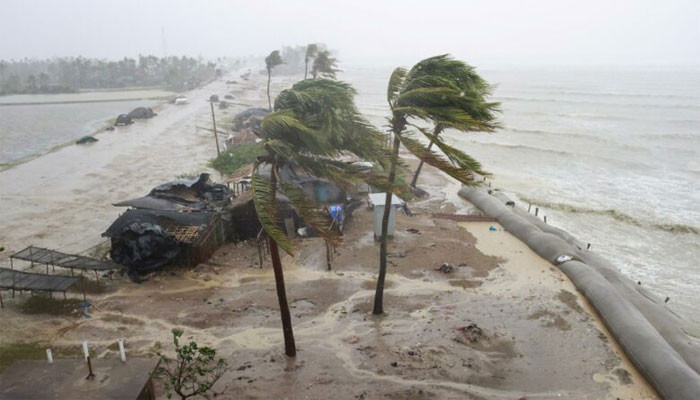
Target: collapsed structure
[{"x": 181, "y": 222}]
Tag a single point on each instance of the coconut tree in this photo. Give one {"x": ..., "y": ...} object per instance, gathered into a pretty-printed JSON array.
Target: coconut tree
[
  {"x": 271, "y": 61},
  {"x": 433, "y": 91},
  {"x": 472, "y": 86},
  {"x": 324, "y": 65},
  {"x": 314, "y": 125},
  {"x": 311, "y": 51}
]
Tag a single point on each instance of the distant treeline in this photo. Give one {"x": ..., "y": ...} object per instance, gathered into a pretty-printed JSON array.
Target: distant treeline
[{"x": 70, "y": 74}]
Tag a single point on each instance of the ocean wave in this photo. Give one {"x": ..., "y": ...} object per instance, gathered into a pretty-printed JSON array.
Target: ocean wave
[
  {"x": 614, "y": 214},
  {"x": 577, "y": 102}
]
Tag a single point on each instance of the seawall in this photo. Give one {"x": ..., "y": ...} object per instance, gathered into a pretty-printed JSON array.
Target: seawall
[{"x": 651, "y": 336}]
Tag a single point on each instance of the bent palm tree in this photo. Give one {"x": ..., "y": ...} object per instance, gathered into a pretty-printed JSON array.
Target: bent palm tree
[
  {"x": 271, "y": 61},
  {"x": 313, "y": 125},
  {"x": 311, "y": 51},
  {"x": 324, "y": 65},
  {"x": 434, "y": 90},
  {"x": 472, "y": 86}
]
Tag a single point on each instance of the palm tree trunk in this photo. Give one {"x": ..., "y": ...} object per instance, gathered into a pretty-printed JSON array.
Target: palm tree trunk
[
  {"x": 289, "y": 346},
  {"x": 269, "y": 75},
  {"x": 420, "y": 165},
  {"x": 379, "y": 294},
  {"x": 306, "y": 67},
  {"x": 437, "y": 131}
]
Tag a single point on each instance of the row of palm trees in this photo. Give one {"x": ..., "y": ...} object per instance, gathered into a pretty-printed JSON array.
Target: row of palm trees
[
  {"x": 323, "y": 65},
  {"x": 316, "y": 121}
]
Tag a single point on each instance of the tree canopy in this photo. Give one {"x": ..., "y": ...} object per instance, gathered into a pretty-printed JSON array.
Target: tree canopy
[{"x": 324, "y": 65}]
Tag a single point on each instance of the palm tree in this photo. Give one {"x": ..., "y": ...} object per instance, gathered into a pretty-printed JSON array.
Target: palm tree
[
  {"x": 271, "y": 61},
  {"x": 433, "y": 91},
  {"x": 311, "y": 51},
  {"x": 324, "y": 65},
  {"x": 473, "y": 86},
  {"x": 313, "y": 125}
]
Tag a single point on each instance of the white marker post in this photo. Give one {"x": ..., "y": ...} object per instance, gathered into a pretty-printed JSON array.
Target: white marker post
[
  {"x": 86, "y": 352},
  {"x": 122, "y": 353},
  {"x": 49, "y": 356}
]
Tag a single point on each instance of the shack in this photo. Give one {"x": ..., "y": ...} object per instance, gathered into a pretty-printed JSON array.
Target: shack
[{"x": 181, "y": 222}]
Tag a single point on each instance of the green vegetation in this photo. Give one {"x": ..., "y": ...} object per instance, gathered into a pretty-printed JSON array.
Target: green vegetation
[
  {"x": 193, "y": 371},
  {"x": 69, "y": 74},
  {"x": 324, "y": 65},
  {"x": 271, "y": 61},
  {"x": 11, "y": 352},
  {"x": 232, "y": 159},
  {"x": 314, "y": 123},
  {"x": 446, "y": 93}
]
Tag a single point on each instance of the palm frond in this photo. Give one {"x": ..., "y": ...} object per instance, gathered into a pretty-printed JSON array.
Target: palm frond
[
  {"x": 396, "y": 81},
  {"x": 456, "y": 156},
  {"x": 432, "y": 158},
  {"x": 265, "y": 200},
  {"x": 308, "y": 211}
]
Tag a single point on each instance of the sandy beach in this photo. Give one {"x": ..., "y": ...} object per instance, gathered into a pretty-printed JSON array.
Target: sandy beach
[{"x": 505, "y": 324}]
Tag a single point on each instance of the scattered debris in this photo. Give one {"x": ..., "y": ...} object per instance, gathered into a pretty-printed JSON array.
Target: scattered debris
[
  {"x": 142, "y": 113},
  {"x": 123, "y": 119},
  {"x": 223, "y": 105},
  {"x": 229, "y": 97},
  {"x": 182, "y": 100},
  {"x": 413, "y": 230},
  {"x": 401, "y": 254},
  {"x": 445, "y": 268},
  {"x": 86, "y": 140},
  {"x": 492, "y": 228},
  {"x": 472, "y": 332},
  {"x": 564, "y": 258},
  {"x": 214, "y": 98}
]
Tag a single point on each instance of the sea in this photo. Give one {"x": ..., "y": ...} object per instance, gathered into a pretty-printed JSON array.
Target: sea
[
  {"x": 35, "y": 124},
  {"x": 611, "y": 155}
]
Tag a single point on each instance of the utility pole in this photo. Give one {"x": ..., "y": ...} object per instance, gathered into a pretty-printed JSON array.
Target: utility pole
[{"x": 213, "y": 121}]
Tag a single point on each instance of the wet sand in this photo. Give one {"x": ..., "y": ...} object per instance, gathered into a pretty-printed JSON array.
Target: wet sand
[{"x": 504, "y": 324}]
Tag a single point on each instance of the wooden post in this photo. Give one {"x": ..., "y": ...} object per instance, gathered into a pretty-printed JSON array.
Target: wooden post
[
  {"x": 31, "y": 256},
  {"x": 47, "y": 269},
  {"x": 213, "y": 121},
  {"x": 529, "y": 206},
  {"x": 260, "y": 253},
  {"x": 90, "y": 376},
  {"x": 588, "y": 247},
  {"x": 537, "y": 210},
  {"x": 545, "y": 219},
  {"x": 64, "y": 295}
]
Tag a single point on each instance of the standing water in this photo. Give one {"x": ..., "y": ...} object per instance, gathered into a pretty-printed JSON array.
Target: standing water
[
  {"x": 611, "y": 156},
  {"x": 33, "y": 124}
]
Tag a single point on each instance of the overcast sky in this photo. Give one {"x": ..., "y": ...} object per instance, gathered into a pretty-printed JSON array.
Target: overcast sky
[{"x": 482, "y": 32}]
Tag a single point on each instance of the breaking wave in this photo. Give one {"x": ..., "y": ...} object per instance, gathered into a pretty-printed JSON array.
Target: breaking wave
[
  {"x": 575, "y": 102},
  {"x": 614, "y": 214}
]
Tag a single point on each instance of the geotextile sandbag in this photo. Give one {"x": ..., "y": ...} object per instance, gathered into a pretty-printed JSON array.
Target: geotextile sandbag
[{"x": 651, "y": 336}]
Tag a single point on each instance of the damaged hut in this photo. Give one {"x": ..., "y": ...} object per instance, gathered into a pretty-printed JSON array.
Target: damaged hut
[{"x": 181, "y": 222}]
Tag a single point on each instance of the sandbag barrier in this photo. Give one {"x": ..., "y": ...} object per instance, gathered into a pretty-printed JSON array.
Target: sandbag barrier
[{"x": 651, "y": 336}]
